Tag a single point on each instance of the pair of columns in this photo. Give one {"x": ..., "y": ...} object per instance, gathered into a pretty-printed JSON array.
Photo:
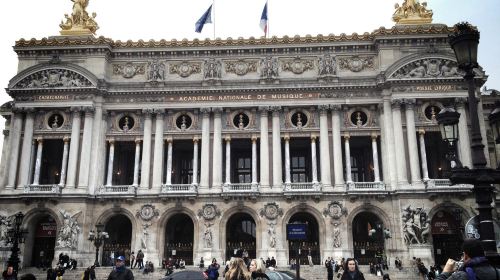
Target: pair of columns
[
  {"x": 376, "y": 169},
  {"x": 228, "y": 161}
]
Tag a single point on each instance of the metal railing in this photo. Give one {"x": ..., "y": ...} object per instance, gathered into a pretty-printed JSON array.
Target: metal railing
[{"x": 43, "y": 189}]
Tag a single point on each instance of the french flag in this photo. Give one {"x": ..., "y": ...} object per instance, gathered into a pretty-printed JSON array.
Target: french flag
[{"x": 263, "y": 20}]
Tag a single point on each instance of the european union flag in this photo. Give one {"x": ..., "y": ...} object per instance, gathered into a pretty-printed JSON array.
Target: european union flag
[{"x": 205, "y": 18}]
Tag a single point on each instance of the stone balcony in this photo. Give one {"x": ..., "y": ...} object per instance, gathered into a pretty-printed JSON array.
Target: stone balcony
[
  {"x": 42, "y": 189},
  {"x": 444, "y": 185},
  {"x": 117, "y": 191},
  {"x": 366, "y": 188},
  {"x": 303, "y": 188},
  {"x": 180, "y": 190},
  {"x": 240, "y": 189}
]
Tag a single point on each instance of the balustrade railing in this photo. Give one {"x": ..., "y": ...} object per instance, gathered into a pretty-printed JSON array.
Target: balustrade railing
[
  {"x": 118, "y": 189},
  {"x": 365, "y": 186},
  {"x": 52, "y": 189}
]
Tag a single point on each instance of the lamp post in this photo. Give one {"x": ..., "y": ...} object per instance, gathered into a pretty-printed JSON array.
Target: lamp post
[
  {"x": 97, "y": 237},
  {"x": 464, "y": 42},
  {"x": 16, "y": 236}
]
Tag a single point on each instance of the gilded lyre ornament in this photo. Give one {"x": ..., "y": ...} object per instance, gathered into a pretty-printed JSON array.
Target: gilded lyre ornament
[
  {"x": 412, "y": 12},
  {"x": 79, "y": 23}
]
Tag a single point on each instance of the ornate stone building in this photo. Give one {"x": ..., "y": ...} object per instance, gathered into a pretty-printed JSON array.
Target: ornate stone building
[{"x": 209, "y": 148}]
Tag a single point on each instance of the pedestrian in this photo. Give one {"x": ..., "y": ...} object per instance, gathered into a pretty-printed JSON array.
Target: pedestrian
[
  {"x": 140, "y": 259},
  {"x": 132, "y": 259},
  {"x": 386, "y": 277},
  {"x": 213, "y": 270},
  {"x": 258, "y": 270},
  {"x": 309, "y": 257},
  {"x": 475, "y": 265},
  {"x": 238, "y": 271},
  {"x": 120, "y": 272},
  {"x": 329, "y": 268},
  {"x": 9, "y": 273},
  {"x": 351, "y": 271},
  {"x": 202, "y": 263}
]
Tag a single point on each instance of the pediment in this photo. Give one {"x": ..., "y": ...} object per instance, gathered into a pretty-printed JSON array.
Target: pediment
[
  {"x": 53, "y": 77},
  {"x": 428, "y": 68}
]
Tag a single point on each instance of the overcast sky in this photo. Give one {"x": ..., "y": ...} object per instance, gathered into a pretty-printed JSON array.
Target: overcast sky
[{"x": 169, "y": 19}]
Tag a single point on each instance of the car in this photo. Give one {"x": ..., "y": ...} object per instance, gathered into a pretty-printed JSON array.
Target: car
[
  {"x": 185, "y": 275},
  {"x": 281, "y": 275}
]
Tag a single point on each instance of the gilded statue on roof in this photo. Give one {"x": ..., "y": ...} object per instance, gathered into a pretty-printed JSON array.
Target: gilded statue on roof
[
  {"x": 79, "y": 23},
  {"x": 412, "y": 12}
]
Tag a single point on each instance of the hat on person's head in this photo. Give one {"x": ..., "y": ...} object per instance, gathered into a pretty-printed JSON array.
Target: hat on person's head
[{"x": 120, "y": 258}]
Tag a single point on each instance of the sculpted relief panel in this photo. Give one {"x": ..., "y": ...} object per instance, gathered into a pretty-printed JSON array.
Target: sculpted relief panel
[
  {"x": 356, "y": 63},
  {"x": 428, "y": 68},
  {"x": 241, "y": 67},
  {"x": 53, "y": 78},
  {"x": 298, "y": 65},
  {"x": 185, "y": 69},
  {"x": 129, "y": 70}
]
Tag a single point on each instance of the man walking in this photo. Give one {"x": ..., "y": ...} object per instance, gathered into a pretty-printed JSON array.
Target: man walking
[
  {"x": 139, "y": 259},
  {"x": 120, "y": 272}
]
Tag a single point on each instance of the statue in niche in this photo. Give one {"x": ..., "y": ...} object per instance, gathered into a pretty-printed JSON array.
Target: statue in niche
[
  {"x": 212, "y": 69},
  {"x": 145, "y": 234},
  {"x": 336, "y": 235},
  {"x": 68, "y": 233},
  {"x": 156, "y": 71},
  {"x": 416, "y": 226},
  {"x": 269, "y": 68},
  {"x": 207, "y": 236},
  {"x": 183, "y": 122},
  {"x": 55, "y": 122},
  {"x": 327, "y": 65},
  {"x": 272, "y": 235}
]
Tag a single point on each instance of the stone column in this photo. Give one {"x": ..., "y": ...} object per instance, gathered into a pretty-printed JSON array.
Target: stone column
[
  {"x": 98, "y": 154},
  {"x": 228, "y": 160},
  {"x": 146, "y": 149},
  {"x": 195, "y": 161},
  {"x": 74, "y": 146},
  {"x": 5, "y": 154},
  {"x": 83, "y": 177},
  {"x": 168, "y": 177},
  {"x": 347, "y": 158},
  {"x": 412, "y": 142},
  {"x": 376, "y": 169},
  {"x": 324, "y": 147},
  {"x": 32, "y": 160},
  {"x": 38, "y": 162},
  {"x": 111, "y": 157},
  {"x": 26, "y": 149},
  {"x": 338, "y": 169},
  {"x": 399, "y": 139},
  {"x": 62, "y": 180},
  {"x": 217, "y": 149},
  {"x": 383, "y": 146},
  {"x": 254, "y": 160},
  {"x": 277, "y": 167},
  {"x": 137, "y": 159},
  {"x": 313, "y": 160},
  {"x": 264, "y": 148},
  {"x": 389, "y": 142},
  {"x": 463, "y": 134},
  {"x": 205, "y": 149},
  {"x": 288, "y": 179},
  {"x": 423, "y": 154},
  {"x": 15, "y": 139},
  {"x": 158, "y": 149}
]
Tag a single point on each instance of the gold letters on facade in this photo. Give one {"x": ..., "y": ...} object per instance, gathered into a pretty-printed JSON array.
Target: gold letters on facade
[
  {"x": 79, "y": 23},
  {"x": 412, "y": 12}
]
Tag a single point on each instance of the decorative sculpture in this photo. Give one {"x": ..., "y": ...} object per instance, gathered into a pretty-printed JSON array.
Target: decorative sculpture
[
  {"x": 412, "y": 12},
  {"x": 272, "y": 234},
  {"x": 53, "y": 78},
  {"x": 79, "y": 23},
  {"x": 5, "y": 225},
  {"x": 68, "y": 233},
  {"x": 212, "y": 69},
  {"x": 269, "y": 68},
  {"x": 156, "y": 71},
  {"x": 207, "y": 236},
  {"x": 336, "y": 236},
  {"x": 416, "y": 226},
  {"x": 428, "y": 68},
  {"x": 271, "y": 211},
  {"x": 327, "y": 66}
]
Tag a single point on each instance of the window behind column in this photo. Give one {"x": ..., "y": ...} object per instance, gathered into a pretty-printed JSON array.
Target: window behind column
[
  {"x": 123, "y": 163},
  {"x": 182, "y": 162},
  {"x": 50, "y": 169}
]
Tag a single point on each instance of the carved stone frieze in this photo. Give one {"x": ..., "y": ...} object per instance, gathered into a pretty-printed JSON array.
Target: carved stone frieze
[
  {"x": 269, "y": 68},
  {"x": 53, "y": 78},
  {"x": 297, "y": 65},
  {"x": 327, "y": 66},
  {"x": 129, "y": 70},
  {"x": 212, "y": 69},
  {"x": 271, "y": 211},
  {"x": 335, "y": 210},
  {"x": 356, "y": 63},
  {"x": 156, "y": 71},
  {"x": 5, "y": 225},
  {"x": 185, "y": 69},
  {"x": 67, "y": 236},
  {"x": 416, "y": 225},
  {"x": 209, "y": 212},
  {"x": 147, "y": 212},
  {"x": 241, "y": 67},
  {"x": 428, "y": 68}
]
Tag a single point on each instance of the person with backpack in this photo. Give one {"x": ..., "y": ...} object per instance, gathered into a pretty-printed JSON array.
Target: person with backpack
[
  {"x": 213, "y": 270},
  {"x": 140, "y": 259},
  {"x": 475, "y": 266}
]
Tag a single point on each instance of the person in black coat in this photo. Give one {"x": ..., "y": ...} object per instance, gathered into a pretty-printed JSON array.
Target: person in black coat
[
  {"x": 121, "y": 272},
  {"x": 351, "y": 271},
  {"x": 329, "y": 268}
]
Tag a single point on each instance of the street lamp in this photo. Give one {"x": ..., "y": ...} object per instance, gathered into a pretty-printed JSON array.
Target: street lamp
[
  {"x": 97, "y": 237},
  {"x": 464, "y": 42},
  {"x": 16, "y": 236},
  {"x": 448, "y": 123}
]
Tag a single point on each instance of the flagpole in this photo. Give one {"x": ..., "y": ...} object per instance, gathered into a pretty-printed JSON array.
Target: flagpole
[
  {"x": 213, "y": 11},
  {"x": 268, "y": 20}
]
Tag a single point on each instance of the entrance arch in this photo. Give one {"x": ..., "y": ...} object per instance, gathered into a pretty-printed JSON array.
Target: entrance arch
[
  {"x": 447, "y": 236},
  {"x": 311, "y": 244},
  {"x": 368, "y": 238},
  {"x": 179, "y": 238},
  {"x": 44, "y": 239},
  {"x": 119, "y": 242},
  {"x": 241, "y": 236}
]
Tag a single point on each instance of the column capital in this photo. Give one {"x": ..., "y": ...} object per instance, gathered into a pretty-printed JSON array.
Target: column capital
[
  {"x": 380, "y": 107},
  {"x": 313, "y": 137},
  {"x": 66, "y": 139},
  {"x": 75, "y": 109},
  {"x": 89, "y": 110},
  {"x": 275, "y": 109},
  {"x": 286, "y": 137},
  {"x": 347, "y": 136},
  {"x": 264, "y": 109},
  {"x": 323, "y": 109},
  {"x": 421, "y": 131},
  {"x": 39, "y": 140},
  {"x": 28, "y": 110},
  {"x": 196, "y": 139},
  {"x": 335, "y": 107},
  {"x": 205, "y": 111},
  {"x": 217, "y": 110},
  {"x": 227, "y": 138},
  {"x": 147, "y": 112},
  {"x": 111, "y": 140},
  {"x": 409, "y": 103},
  {"x": 460, "y": 101},
  {"x": 374, "y": 136},
  {"x": 254, "y": 138},
  {"x": 159, "y": 112},
  {"x": 396, "y": 103},
  {"x": 138, "y": 141},
  {"x": 169, "y": 140},
  {"x": 6, "y": 132}
]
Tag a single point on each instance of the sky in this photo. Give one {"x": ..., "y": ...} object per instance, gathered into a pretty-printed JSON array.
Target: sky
[{"x": 175, "y": 19}]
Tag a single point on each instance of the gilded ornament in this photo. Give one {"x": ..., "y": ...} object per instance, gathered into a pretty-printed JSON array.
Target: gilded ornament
[
  {"x": 185, "y": 69},
  {"x": 79, "y": 23},
  {"x": 412, "y": 12}
]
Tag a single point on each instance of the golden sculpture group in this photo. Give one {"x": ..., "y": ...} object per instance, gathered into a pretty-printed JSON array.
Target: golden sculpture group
[
  {"x": 412, "y": 12},
  {"x": 79, "y": 23}
]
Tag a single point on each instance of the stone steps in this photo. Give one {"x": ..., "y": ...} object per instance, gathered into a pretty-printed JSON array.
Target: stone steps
[{"x": 318, "y": 272}]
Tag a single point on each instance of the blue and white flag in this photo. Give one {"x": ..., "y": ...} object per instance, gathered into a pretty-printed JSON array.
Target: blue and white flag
[
  {"x": 263, "y": 20},
  {"x": 205, "y": 18}
]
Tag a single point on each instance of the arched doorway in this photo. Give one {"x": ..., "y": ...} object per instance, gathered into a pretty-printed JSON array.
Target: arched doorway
[
  {"x": 44, "y": 240},
  {"x": 311, "y": 244},
  {"x": 119, "y": 229},
  {"x": 368, "y": 238},
  {"x": 447, "y": 236},
  {"x": 240, "y": 236},
  {"x": 179, "y": 237}
]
